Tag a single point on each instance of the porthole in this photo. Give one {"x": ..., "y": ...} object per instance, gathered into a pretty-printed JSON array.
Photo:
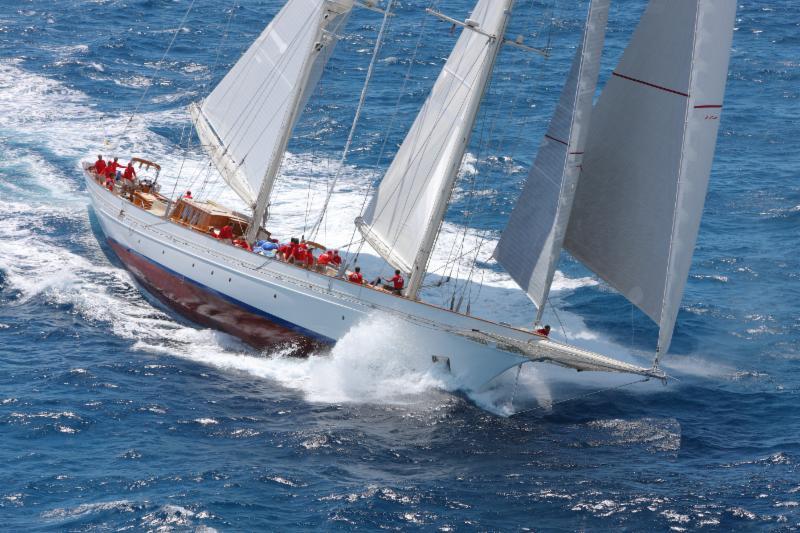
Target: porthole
[
  {"x": 275, "y": 296},
  {"x": 229, "y": 280},
  {"x": 192, "y": 265},
  {"x": 212, "y": 272},
  {"x": 162, "y": 252},
  {"x": 342, "y": 317}
]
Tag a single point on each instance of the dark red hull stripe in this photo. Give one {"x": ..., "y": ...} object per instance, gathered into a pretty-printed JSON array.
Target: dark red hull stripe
[
  {"x": 653, "y": 85},
  {"x": 708, "y": 107},
  {"x": 556, "y": 140},
  {"x": 211, "y": 308}
]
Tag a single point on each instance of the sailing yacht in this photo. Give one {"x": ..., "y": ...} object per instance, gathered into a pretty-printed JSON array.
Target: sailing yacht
[{"x": 620, "y": 185}]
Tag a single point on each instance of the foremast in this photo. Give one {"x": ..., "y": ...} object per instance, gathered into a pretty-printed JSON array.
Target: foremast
[{"x": 246, "y": 122}]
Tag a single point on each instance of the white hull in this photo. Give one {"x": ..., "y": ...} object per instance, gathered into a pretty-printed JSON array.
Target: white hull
[{"x": 313, "y": 304}]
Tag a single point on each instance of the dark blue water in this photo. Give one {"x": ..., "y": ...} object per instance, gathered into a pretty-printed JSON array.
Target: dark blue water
[{"x": 115, "y": 414}]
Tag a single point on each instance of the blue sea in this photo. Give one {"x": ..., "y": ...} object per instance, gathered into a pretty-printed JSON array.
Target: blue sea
[{"x": 116, "y": 414}]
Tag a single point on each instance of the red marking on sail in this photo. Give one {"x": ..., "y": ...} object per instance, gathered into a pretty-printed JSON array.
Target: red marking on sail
[
  {"x": 653, "y": 85},
  {"x": 556, "y": 140}
]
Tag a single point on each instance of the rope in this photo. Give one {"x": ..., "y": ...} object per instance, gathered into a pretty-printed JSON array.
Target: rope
[
  {"x": 579, "y": 397},
  {"x": 375, "y": 51},
  {"x": 158, "y": 68},
  {"x": 389, "y": 126}
]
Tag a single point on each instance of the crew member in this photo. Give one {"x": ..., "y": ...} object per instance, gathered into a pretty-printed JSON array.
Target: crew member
[
  {"x": 325, "y": 258},
  {"x": 394, "y": 284},
  {"x": 111, "y": 168},
  {"x": 544, "y": 331},
  {"x": 100, "y": 165},
  {"x": 226, "y": 232},
  {"x": 397, "y": 282},
  {"x": 356, "y": 277},
  {"x": 130, "y": 172},
  {"x": 336, "y": 259},
  {"x": 188, "y": 195}
]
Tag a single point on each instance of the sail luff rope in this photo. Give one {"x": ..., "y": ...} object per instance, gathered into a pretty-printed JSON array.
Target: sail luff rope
[{"x": 375, "y": 52}]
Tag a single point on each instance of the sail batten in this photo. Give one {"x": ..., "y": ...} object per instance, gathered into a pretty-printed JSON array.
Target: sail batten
[
  {"x": 406, "y": 211},
  {"x": 531, "y": 243},
  {"x": 648, "y": 157},
  {"x": 245, "y": 122}
]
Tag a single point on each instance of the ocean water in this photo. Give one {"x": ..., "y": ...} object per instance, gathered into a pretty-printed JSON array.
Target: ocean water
[{"x": 115, "y": 414}]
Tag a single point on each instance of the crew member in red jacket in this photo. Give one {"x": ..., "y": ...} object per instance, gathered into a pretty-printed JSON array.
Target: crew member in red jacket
[
  {"x": 111, "y": 168},
  {"x": 394, "y": 284},
  {"x": 130, "y": 172},
  {"x": 100, "y": 165},
  {"x": 226, "y": 232},
  {"x": 356, "y": 277},
  {"x": 544, "y": 331}
]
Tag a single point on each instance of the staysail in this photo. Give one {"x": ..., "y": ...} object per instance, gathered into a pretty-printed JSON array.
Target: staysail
[
  {"x": 531, "y": 244},
  {"x": 404, "y": 215},
  {"x": 648, "y": 156},
  {"x": 246, "y": 121}
]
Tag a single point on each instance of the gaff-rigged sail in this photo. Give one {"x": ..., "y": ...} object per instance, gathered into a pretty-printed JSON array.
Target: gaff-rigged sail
[
  {"x": 648, "y": 157},
  {"x": 404, "y": 215},
  {"x": 531, "y": 244},
  {"x": 246, "y": 121}
]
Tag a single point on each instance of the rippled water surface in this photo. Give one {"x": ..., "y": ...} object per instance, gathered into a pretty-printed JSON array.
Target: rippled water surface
[{"x": 116, "y": 414}]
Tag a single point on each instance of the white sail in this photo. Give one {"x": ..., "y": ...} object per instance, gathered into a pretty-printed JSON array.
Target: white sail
[
  {"x": 530, "y": 246},
  {"x": 246, "y": 121},
  {"x": 404, "y": 215},
  {"x": 648, "y": 157}
]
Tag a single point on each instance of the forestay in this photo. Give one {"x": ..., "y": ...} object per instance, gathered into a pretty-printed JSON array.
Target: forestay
[
  {"x": 246, "y": 121},
  {"x": 648, "y": 156},
  {"x": 531, "y": 244},
  {"x": 404, "y": 215}
]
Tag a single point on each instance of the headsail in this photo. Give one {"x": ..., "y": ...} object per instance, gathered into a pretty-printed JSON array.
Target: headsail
[
  {"x": 404, "y": 215},
  {"x": 531, "y": 243},
  {"x": 246, "y": 121},
  {"x": 648, "y": 157}
]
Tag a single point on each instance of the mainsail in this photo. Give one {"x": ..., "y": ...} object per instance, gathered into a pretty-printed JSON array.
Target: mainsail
[
  {"x": 246, "y": 121},
  {"x": 648, "y": 156},
  {"x": 531, "y": 244},
  {"x": 406, "y": 211}
]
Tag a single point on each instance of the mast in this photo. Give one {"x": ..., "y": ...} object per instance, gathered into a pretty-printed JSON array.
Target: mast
[
  {"x": 314, "y": 61},
  {"x": 245, "y": 123},
  {"x": 420, "y": 266},
  {"x": 406, "y": 211}
]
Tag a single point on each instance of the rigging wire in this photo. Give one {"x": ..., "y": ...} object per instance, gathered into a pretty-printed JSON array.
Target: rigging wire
[
  {"x": 376, "y": 50},
  {"x": 388, "y": 129},
  {"x": 158, "y": 69},
  {"x": 550, "y": 405},
  {"x": 466, "y": 287}
]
